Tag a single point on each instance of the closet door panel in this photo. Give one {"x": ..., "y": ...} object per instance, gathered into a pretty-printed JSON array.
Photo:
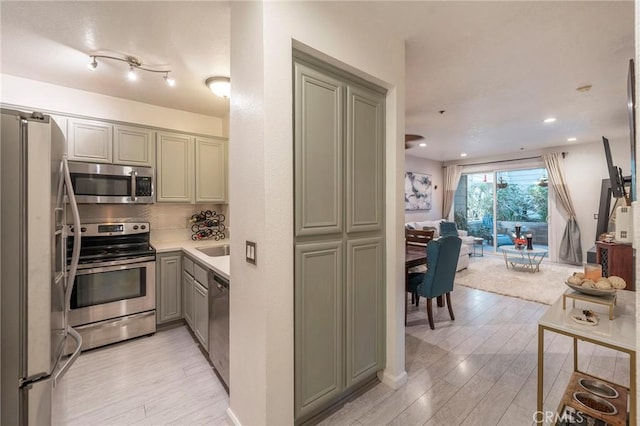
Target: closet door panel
[
  {"x": 319, "y": 369},
  {"x": 318, "y": 153},
  {"x": 364, "y": 309},
  {"x": 365, "y": 167}
]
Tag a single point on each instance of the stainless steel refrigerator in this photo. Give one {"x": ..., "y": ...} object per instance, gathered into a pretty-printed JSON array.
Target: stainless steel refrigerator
[{"x": 33, "y": 268}]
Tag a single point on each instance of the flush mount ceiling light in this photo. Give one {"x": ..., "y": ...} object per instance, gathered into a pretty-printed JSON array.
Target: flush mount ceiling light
[
  {"x": 220, "y": 86},
  {"x": 549, "y": 120},
  {"x": 422, "y": 144},
  {"x": 134, "y": 64},
  {"x": 464, "y": 154},
  {"x": 572, "y": 139}
]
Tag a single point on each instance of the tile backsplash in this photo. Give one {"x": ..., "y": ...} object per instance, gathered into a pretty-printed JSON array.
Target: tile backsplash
[{"x": 168, "y": 221}]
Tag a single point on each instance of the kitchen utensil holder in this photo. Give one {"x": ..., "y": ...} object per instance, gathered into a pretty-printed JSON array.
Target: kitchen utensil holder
[{"x": 207, "y": 225}]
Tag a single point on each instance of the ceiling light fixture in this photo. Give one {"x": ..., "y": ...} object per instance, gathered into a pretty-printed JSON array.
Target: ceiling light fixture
[
  {"x": 220, "y": 86},
  {"x": 464, "y": 154},
  {"x": 549, "y": 120},
  {"x": 134, "y": 64},
  {"x": 572, "y": 139},
  {"x": 422, "y": 144}
]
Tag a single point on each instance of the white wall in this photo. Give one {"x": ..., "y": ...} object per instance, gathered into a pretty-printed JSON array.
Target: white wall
[
  {"x": 37, "y": 95},
  {"x": 433, "y": 168},
  {"x": 261, "y": 123}
]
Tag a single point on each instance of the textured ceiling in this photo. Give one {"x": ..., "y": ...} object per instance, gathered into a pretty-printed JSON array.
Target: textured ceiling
[{"x": 497, "y": 69}]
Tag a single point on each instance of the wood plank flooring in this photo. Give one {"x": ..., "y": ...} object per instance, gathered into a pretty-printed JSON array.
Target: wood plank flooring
[{"x": 477, "y": 370}]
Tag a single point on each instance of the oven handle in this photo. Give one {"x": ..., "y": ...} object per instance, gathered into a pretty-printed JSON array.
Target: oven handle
[
  {"x": 134, "y": 175},
  {"x": 140, "y": 259},
  {"x": 118, "y": 267}
]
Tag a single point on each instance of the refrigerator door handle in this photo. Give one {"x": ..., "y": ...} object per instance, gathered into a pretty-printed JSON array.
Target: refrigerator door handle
[
  {"x": 75, "y": 255},
  {"x": 76, "y": 353}
]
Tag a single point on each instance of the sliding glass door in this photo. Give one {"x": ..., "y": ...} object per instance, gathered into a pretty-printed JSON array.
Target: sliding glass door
[{"x": 491, "y": 205}]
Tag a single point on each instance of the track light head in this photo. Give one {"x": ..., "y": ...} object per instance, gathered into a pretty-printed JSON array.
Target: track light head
[
  {"x": 93, "y": 64},
  {"x": 131, "y": 75}
]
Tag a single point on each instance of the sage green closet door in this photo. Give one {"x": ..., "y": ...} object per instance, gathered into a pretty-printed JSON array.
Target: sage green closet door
[
  {"x": 364, "y": 309},
  {"x": 318, "y": 152},
  {"x": 365, "y": 166},
  {"x": 319, "y": 361}
]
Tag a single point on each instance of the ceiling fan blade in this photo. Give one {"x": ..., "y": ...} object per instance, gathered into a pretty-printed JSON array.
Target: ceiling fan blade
[{"x": 411, "y": 141}]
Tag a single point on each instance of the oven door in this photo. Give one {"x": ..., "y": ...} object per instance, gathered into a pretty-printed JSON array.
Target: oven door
[{"x": 107, "y": 292}]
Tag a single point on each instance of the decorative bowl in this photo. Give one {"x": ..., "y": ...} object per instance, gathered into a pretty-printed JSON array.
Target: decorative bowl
[{"x": 591, "y": 291}]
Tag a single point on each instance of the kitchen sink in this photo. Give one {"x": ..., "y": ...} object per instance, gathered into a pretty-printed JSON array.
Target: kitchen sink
[{"x": 215, "y": 250}]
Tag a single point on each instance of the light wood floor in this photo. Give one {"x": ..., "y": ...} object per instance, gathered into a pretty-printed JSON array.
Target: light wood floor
[{"x": 477, "y": 370}]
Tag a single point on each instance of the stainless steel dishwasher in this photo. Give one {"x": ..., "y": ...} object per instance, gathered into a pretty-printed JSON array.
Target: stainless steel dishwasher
[{"x": 219, "y": 324}]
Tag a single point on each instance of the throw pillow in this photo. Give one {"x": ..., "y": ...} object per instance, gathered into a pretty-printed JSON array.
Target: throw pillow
[{"x": 448, "y": 228}]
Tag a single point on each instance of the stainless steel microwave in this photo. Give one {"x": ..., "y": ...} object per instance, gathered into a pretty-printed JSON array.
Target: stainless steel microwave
[{"x": 95, "y": 183}]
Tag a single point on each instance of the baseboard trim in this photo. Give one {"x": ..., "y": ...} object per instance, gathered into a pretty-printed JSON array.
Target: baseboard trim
[
  {"x": 232, "y": 417},
  {"x": 394, "y": 382}
]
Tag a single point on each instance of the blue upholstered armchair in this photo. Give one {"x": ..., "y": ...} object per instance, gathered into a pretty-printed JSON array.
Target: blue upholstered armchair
[{"x": 442, "y": 258}]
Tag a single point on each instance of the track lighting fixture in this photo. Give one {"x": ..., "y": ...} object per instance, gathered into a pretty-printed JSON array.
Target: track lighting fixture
[{"x": 134, "y": 64}]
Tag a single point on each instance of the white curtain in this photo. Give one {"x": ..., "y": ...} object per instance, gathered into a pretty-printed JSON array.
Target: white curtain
[
  {"x": 570, "y": 247},
  {"x": 451, "y": 179}
]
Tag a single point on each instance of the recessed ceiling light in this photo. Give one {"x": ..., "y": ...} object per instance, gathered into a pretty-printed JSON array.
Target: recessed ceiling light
[
  {"x": 584, "y": 88},
  {"x": 572, "y": 139},
  {"x": 464, "y": 154},
  {"x": 422, "y": 144},
  {"x": 549, "y": 120}
]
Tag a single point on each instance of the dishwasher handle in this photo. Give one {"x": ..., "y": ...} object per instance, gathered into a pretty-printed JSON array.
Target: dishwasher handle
[{"x": 220, "y": 282}]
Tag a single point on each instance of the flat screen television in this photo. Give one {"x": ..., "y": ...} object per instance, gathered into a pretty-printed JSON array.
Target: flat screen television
[{"x": 615, "y": 173}]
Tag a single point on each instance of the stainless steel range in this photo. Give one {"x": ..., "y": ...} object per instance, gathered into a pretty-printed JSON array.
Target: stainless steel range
[{"x": 114, "y": 294}]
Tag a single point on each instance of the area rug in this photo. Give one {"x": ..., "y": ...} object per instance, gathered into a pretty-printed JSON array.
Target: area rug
[{"x": 489, "y": 273}]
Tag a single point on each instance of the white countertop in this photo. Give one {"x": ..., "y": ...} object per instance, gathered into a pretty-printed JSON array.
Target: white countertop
[
  {"x": 219, "y": 264},
  {"x": 619, "y": 332}
]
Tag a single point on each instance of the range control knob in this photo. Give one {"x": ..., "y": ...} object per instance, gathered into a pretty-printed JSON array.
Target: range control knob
[
  {"x": 83, "y": 229},
  {"x": 135, "y": 227},
  {"x": 71, "y": 229},
  {"x": 143, "y": 226}
]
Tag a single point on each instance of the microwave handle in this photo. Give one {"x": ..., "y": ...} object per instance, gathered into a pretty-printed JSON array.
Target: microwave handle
[{"x": 133, "y": 185}]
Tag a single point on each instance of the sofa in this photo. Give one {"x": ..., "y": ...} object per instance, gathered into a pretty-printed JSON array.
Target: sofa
[{"x": 467, "y": 242}]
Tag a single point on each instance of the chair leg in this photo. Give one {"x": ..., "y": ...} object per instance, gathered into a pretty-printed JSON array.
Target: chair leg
[
  {"x": 417, "y": 298},
  {"x": 430, "y": 313},
  {"x": 440, "y": 301},
  {"x": 449, "y": 306}
]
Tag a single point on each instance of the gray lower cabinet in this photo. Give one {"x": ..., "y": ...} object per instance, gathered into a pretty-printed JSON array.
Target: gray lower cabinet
[
  {"x": 339, "y": 325},
  {"x": 195, "y": 296},
  {"x": 201, "y": 314},
  {"x": 168, "y": 288},
  {"x": 187, "y": 297}
]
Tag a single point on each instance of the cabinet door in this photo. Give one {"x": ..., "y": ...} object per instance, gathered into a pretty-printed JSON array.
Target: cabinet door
[
  {"x": 174, "y": 167},
  {"x": 201, "y": 314},
  {"x": 364, "y": 162},
  {"x": 133, "y": 146},
  {"x": 169, "y": 293},
  {"x": 319, "y": 357},
  {"x": 187, "y": 295},
  {"x": 364, "y": 309},
  {"x": 89, "y": 141},
  {"x": 211, "y": 171},
  {"x": 318, "y": 148}
]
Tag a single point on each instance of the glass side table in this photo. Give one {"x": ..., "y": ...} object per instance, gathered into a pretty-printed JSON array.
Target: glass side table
[{"x": 478, "y": 242}]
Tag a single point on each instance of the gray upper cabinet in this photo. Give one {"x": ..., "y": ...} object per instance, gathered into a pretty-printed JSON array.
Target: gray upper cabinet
[
  {"x": 174, "y": 167},
  {"x": 339, "y": 203},
  {"x": 133, "y": 146},
  {"x": 191, "y": 169},
  {"x": 319, "y": 363},
  {"x": 102, "y": 142},
  {"x": 318, "y": 152},
  {"x": 90, "y": 141},
  {"x": 211, "y": 170},
  {"x": 365, "y": 172}
]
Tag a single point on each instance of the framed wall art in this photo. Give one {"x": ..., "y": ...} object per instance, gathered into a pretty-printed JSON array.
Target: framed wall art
[{"x": 417, "y": 191}]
